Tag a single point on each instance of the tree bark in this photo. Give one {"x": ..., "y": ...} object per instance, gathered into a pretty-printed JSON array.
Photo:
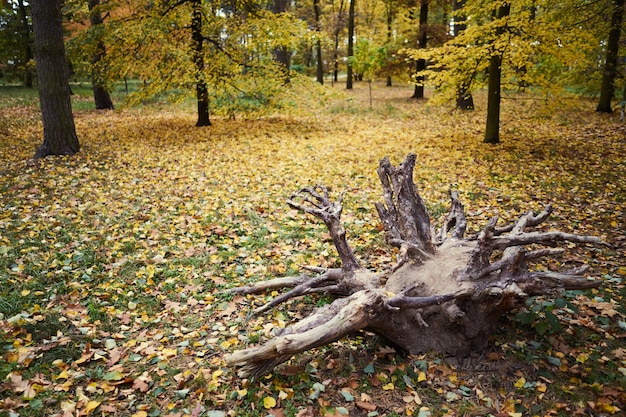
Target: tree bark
[
  {"x": 612, "y": 54},
  {"x": 53, "y": 80},
  {"x": 202, "y": 92},
  {"x": 492, "y": 130},
  {"x": 389, "y": 9},
  {"x": 350, "y": 44},
  {"x": 282, "y": 55},
  {"x": 337, "y": 31},
  {"x": 446, "y": 292},
  {"x": 464, "y": 98},
  {"x": 319, "y": 71},
  {"x": 101, "y": 96},
  {"x": 28, "y": 52},
  {"x": 423, "y": 39}
]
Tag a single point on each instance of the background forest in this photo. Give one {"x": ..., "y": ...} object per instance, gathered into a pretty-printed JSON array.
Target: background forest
[
  {"x": 197, "y": 120},
  {"x": 237, "y": 56}
]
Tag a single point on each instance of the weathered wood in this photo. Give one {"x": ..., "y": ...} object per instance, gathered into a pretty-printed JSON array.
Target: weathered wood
[{"x": 447, "y": 292}]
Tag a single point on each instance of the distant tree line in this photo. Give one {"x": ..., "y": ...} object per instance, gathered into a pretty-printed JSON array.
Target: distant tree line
[{"x": 239, "y": 54}]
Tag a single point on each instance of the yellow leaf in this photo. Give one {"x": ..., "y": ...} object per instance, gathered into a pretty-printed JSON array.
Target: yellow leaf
[
  {"x": 388, "y": 387},
  {"x": 269, "y": 402},
  {"x": 421, "y": 377},
  {"x": 62, "y": 375},
  {"x": 520, "y": 382},
  {"x": 91, "y": 406},
  {"x": 25, "y": 293},
  {"x": 140, "y": 414},
  {"x": 169, "y": 353},
  {"x": 68, "y": 406}
]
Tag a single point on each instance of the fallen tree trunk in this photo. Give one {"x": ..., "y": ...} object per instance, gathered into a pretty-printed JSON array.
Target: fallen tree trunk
[{"x": 447, "y": 292}]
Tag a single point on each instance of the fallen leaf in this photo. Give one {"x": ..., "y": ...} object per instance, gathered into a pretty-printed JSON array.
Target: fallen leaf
[
  {"x": 269, "y": 402},
  {"x": 91, "y": 406}
]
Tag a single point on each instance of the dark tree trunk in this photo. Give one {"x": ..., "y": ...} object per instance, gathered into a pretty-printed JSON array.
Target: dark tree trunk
[
  {"x": 318, "y": 44},
  {"x": 282, "y": 55},
  {"x": 389, "y": 5},
  {"x": 101, "y": 96},
  {"x": 447, "y": 292},
  {"x": 338, "y": 27},
  {"x": 523, "y": 70},
  {"x": 350, "y": 43},
  {"x": 59, "y": 137},
  {"x": 464, "y": 99},
  {"x": 492, "y": 131},
  {"x": 423, "y": 39},
  {"x": 28, "y": 51},
  {"x": 202, "y": 92},
  {"x": 612, "y": 55}
]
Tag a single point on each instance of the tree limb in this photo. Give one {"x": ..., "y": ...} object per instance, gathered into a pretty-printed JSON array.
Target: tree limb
[
  {"x": 325, "y": 326},
  {"x": 320, "y": 206}
]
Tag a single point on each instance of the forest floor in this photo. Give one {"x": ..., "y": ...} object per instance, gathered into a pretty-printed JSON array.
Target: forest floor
[{"x": 114, "y": 262}]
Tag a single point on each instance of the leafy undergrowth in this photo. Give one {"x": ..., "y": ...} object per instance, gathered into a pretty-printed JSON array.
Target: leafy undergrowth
[{"x": 113, "y": 262}]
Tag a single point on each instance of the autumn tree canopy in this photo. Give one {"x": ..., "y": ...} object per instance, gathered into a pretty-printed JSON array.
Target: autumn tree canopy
[{"x": 223, "y": 54}]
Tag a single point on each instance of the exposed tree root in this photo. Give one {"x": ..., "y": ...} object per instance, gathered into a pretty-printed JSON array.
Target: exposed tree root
[{"x": 447, "y": 292}]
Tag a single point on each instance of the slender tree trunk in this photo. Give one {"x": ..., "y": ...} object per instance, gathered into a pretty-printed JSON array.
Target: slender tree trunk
[
  {"x": 338, "y": 27},
  {"x": 464, "y": 99},
  {"x": 612, "y": 55},
  {"x": 350, "y": 43},
  {"x": 423, "y": 39},
  {"x": 389, "y": 32},
  {"x": 523, "y": 70},
  {"x": 101, "y": 96},
  {"x": 492, "y": 131},
  {"x": 59, "y": 137},
  {"x": 28, "y": 51},
  {"x": 318, "y": 44},
  {"x": 202, "y": 93},
  {"x": 281, "y": 54}
]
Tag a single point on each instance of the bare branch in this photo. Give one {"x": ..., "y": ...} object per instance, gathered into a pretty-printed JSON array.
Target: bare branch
[
  {"x": 320, "y": 206},
  {"x": 403, "y": 301},
  {"x": 325, "y": 326},
  {"x": 272, "y": 284},
  {"x": 544, "y": 238},
  {"x": 319, "y": 284},
  {"x": 454, "y": 220},
  {"x": 403, "y": 212}
]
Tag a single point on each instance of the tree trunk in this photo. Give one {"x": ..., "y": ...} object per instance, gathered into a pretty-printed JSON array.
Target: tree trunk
[
  {"x": 338, "y": 27},
  {"x": 447, "y": 291},
  {"x": 282, "y": 55},
  {"x": 612, "y": 55},
  {"x": 101, "y": 96},
  {"x": 59, "y": 136},
  {"x": 423, "y": 39},
  {"x": 389, "y": 8},
  {"x": 202, "y": 92},
  {"x": 492, "y": 130},
  {"x": 523, "y": 70},
  {"x": 464, "y": 99},
  {"x": 350, "y": 43},
  {"x": 318, "y": 44},
  {"x": 28, "y": 52}
]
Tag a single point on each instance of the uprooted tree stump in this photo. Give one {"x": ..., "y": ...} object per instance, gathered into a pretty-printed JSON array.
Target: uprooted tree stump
[{"x": 447, "y": 291}]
